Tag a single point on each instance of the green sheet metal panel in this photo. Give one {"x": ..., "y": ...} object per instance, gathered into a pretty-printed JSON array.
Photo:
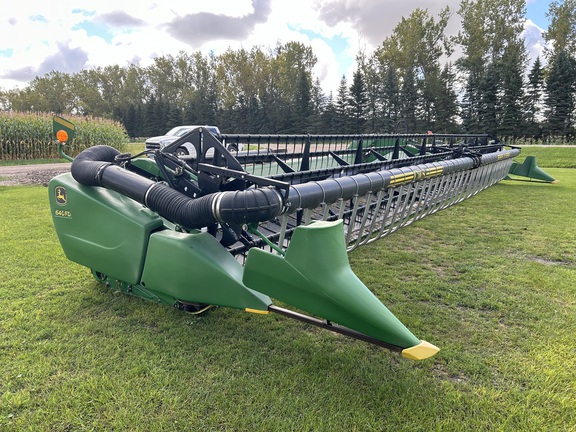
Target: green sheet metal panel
[
  {"x": 101, "y": 229},
  {"x": 195, "y": 268},
  {"x": 315, "y": 276}
]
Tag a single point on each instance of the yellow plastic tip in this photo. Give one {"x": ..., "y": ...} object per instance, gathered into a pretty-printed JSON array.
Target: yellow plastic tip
[
  {"x": 555, "y": 181},
  {"x": 257, "y": 311},
  {"x": 421, "y": 351}
]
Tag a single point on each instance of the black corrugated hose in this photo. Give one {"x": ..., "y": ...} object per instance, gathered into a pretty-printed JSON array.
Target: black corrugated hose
[{"x": 95, "y": 166}]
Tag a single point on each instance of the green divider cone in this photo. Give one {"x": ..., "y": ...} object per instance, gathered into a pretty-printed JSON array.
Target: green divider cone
[
  {"x": 529, "y": 168},
  {"x": 315, "y": 276}
]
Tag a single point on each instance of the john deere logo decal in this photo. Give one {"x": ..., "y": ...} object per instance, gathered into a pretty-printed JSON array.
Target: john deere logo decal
[{"x": 61, "y": 197}]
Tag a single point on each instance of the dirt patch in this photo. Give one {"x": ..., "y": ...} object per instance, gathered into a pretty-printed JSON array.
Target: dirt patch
[
  {"x": 41, "y": 174},
  {"x": 547, "y": 262},
  {"x": 440, "y": 372}
]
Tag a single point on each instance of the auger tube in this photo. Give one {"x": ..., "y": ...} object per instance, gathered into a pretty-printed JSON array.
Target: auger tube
[
  {"x": 314, "y": 193},
  {"x": 95, "y": 167}
]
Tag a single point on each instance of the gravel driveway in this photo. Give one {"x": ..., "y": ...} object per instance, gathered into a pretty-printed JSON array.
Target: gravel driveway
[{"x": 39, "y": 174}]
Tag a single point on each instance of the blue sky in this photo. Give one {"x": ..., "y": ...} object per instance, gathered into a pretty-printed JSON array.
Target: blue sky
[
  {"x": 536, "y": 12},
  {"x": 69, "y": 35}
]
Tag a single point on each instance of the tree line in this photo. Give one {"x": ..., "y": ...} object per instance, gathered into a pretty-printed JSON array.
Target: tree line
[{"x": 410, "y": 83}]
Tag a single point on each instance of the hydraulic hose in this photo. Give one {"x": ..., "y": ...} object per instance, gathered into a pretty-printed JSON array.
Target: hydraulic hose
[{"x": 95, "y": 167}]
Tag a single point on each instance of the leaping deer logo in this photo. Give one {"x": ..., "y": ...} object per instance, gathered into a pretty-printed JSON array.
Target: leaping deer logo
[{"x": 60, "y": 193}]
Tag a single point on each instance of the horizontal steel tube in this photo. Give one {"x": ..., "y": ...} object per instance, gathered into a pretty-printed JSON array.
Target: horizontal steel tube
[{"x": 312, "y": 194}]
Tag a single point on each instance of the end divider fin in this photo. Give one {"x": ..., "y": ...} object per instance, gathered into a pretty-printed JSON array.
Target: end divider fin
[
  {"x": 529, "y": 168},
  {"x": 315, "y": 276}
]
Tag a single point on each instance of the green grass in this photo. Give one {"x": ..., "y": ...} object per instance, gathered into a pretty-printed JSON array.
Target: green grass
[
  {"x": 136, "y": 147},
  {"x": 557, "y": 157},
  {"x": 490, "y": 281}
]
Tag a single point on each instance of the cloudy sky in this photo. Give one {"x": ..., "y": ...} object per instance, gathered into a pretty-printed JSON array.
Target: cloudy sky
[{"x": 69, "y": 35}]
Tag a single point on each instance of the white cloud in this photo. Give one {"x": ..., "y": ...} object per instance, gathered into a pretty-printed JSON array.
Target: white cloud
[
  {"x": 534, "y": 41},
  {"x": 336, "y": 30}
]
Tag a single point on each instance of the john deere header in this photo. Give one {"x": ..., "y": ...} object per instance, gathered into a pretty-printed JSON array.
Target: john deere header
[{"x": 272, "y": 221}]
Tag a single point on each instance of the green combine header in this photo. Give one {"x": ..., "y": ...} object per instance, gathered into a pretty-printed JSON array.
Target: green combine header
[{"x": 273, "y": 221}]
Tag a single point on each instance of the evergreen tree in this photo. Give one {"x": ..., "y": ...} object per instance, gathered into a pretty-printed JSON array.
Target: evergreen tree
[
  {"x": 373, "y": 82},
  {"x": 492, "y": 45},
  {"x": 409, "y": 102},
  {"x": 357, "y": 101},
  {"x": 253, "y": 116},
  {"x": 534, "y": 98},
  {"x": 471, "y": 103},
  {"x": 561, "y": 79},
  {"x": 131, "y": 121},
  {"x": 489, "y": 107},
  {"x": 413, "y": 52},
  {"x": 429, "y": 91},
  {"x": 342, "y": 108},
  {"x": 511, "y": 122},
  {"x": 560, "y": 86},
  {"x": 318, "y": 105},
  {"x": 446, "y": 103},
  {"x": 390, "y": 101},
  {"x": 329, "y": 123},
  {"x": 151, "y": 125},
  {"x": 139, "y": 123},
  {"x": 302, "y": 108},
  {"x": 200, "y": 108},
  {"x": 174, "y": 116},
  {"x": 160, "y": 117}
]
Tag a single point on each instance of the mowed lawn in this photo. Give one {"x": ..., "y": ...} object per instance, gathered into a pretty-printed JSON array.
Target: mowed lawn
[{"x": 491, "y": 281}]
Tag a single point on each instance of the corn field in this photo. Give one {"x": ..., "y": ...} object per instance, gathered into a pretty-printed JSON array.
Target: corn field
[{"x": 25, "y": 136}]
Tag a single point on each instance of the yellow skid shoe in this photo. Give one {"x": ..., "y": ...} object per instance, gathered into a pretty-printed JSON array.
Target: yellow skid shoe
[{"x": 421, "y": 351}]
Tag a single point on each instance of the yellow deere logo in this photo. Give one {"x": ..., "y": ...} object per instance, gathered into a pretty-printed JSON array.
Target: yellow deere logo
[{"x": 60, "y": 193}]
